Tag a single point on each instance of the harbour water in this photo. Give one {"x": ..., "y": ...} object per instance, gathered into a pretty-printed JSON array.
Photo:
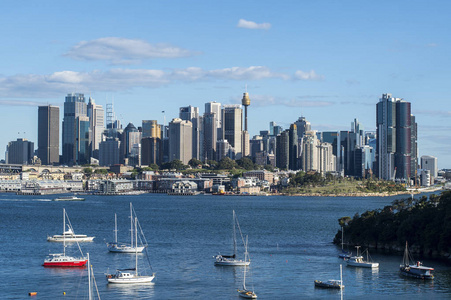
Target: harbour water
[{"x": 290, "y": 245}]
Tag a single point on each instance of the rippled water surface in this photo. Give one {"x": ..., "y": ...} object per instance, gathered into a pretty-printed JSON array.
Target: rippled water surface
[{"x": 289, "y": 244}]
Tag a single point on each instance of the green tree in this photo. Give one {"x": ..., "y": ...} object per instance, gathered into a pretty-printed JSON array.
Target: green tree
[
  {"x": 226, "y": 164},
  {"x": 194, "y": 163},
  {"x": 245, "y": 163},
  {"x": 87, "y": 171}
]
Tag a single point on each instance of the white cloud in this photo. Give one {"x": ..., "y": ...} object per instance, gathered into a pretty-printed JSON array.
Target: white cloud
[
  {"x": 252, "y": 25},
  {"x": 124, "y": 51},
  {"x": 20, "y": 103},
  {"x": 311, "y": 75},
  {"x": 118, "y": 79}
]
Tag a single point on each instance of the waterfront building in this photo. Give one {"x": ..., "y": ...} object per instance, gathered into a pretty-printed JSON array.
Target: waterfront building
[
  {"x": 74, "y": 107},
  {"x": 180, "y": 140},
  {"x": 430, "y": 163},
  {"x": 49, "y": 134},
  {"x": 96, "y": 115},
  {"x": 232, "y": 127},
  {"x": 394, "y": 138},
  {"x": 19, "y": 152}
]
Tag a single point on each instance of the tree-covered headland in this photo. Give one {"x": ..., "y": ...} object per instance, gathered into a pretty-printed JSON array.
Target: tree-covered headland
[{"x": 425, "y": 223}]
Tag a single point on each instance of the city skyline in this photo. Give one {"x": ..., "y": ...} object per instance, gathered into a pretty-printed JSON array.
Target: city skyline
[{"x": 329, "y": 62}]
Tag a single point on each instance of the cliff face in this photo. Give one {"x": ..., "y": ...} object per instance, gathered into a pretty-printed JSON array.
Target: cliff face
[{"x": 424, "y": 223}]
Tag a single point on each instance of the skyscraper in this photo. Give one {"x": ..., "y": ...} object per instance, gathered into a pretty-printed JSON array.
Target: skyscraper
[
  {"x": 49, "y": 134},
  {"x": 180, "y": 140},
  {"x": 74, "y": 107},
  {"x": 151, "y": 129},
  {"x": 190, "y": 113},
  {"x": 96, "y": 115},
  {"x": 394, "y": 138},
  {"x": 232, "y": 127},
  {"x": 210, "y": 135},
  {"x": 302, "y": 126}
]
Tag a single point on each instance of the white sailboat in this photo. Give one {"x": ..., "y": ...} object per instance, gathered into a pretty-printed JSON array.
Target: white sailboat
[
  {"x": 130, "y": 276},
  {"x": 61, "y": 259},
  {"x": 245, "y": 292},
  {"x": 125, "y": 247},
  {"x": 357, "y": 261},
  {"x": 231, "y": 260}
]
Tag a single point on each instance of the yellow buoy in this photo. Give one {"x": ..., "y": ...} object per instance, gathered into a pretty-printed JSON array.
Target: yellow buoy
[{"x": 32, "y": 293}]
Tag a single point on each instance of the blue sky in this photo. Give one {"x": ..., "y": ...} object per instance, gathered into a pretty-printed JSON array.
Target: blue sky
[{"x": 329, "y": 61}]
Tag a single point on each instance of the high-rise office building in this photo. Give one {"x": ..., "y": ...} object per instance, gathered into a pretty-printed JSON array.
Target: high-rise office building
[
  {"x": 82, "y": 140},
  {"x": 49, "y": 134},
  {"x": 19, "y": 152},
  {"x": 215, "y": 107},
  {"x": 283, "y": 150},
  {"x": 302, "y": 126},
  {"x": 294, "y": 148},
  {"x": 180, "y": 140},
  {"x": 96, "y": 115},
  {"x": 190, "y": 113},
  {"x": 310, "y": 154},
  {"x": 232, "y": 127},
  {"x": 130, "y": 137},
  {"x": 151, "y": 128},
  {"x": 210, "y": 135},
  {"x": 394, "y": 138},
  {"x": 74, "y": 107},
  {"x": 430, "y": 163},
  {"x": 151, "y": 151}
]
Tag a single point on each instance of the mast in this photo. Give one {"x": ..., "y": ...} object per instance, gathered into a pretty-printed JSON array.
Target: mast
[
  {"x": 131, "y": 226},
  {"x": 64, "y": 229},
  {"x": 234, "y": 234},
  {"x": 89, "y": 279},
  {"x": 245, "y": 256},
  {"x": 341, "y": 282},
  {"x": 136, "y": 247},
  {"x": 115, "y": 228}
]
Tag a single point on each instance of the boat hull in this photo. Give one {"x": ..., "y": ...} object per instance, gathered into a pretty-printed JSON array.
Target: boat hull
[
  {"x": 132, "y": 280},
  {"x": 60, "y": 239},
  {"x": 363, "y": 265},
  {"x": 328, "y": 285},
  {"x": 124, "y": 249},
  {"x": 407, "y": 272},
  {"x": 64, "y": 264},
  {"x": 231, "y": 263},
  {"x": 247, "y": 294}
]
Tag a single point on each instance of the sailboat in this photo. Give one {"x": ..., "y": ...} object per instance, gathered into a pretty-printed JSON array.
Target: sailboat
[
  {"x": 246, "y": 293},
  {"x": 61, "y": 259},
  {"x": 231, "y": 260},
  {"x": 416, "y": 270},
  {"x": 128, "y": 276},
  {"x": 357, "y": 261},
  {"x": 344, "y": 254},
  {"x": 124, "y": 247}
]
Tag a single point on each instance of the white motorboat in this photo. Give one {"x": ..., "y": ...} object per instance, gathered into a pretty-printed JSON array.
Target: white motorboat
[
  {"x": 61, "y": 259},
  {"x": 69, "y": 198},
  {"x": 416, "y": 270},
  {"x": 358, "y": 261},
  {"x": 120, "y": 247},
  {"x": 130, "y": 276},
  {"x": 245, "y": 292},
  {"x": 231, "y": 260},
  {"x": 70, "y": 236}
]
